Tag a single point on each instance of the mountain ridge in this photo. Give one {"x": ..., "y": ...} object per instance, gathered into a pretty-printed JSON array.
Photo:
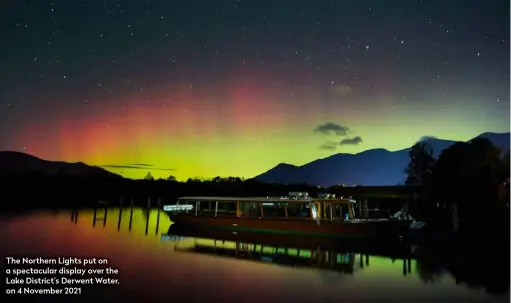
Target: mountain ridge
[
  {"x": 18, "y": 163},
  {"x": 377, "y": 166}
]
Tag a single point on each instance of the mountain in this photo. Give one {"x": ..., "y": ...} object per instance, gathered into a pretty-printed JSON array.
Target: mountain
[
  {"x": 499, "y": 140},
  {"x": 16, "y": 163},
  {"x": 370, "y": 167}
]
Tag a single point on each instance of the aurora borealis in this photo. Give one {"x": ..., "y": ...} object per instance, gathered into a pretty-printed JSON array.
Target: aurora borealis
[{"x": 232, "y": 88}]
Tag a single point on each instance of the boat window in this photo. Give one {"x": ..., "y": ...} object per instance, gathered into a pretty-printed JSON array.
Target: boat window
[
  {"x": 250, "y": 210},
  {"x": 337, "y": 212},
  {"x": 274, "y": 210},
  {"x": 298, "y": 210},
  {"x": 206, "y": 207},
  {"x": 226, "y": 208}
]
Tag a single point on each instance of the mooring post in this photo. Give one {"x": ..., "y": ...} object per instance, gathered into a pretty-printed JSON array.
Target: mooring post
[
  {"x": 158, "y": 204},
  {"x": 361, "y": 261},
  {"x": 76, "y": 215},
  {"x": 94, "y": 216},
  {"x": 409, "y": 265},
  {"x": 147, "y": 215},
  {"x": 131, "y": 212},
  {"x": 105, "y": 214},
  {"x": 120, "y": 213}
]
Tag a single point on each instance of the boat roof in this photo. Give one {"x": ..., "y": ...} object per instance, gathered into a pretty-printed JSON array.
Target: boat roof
[{"x": 263, "y": 199}]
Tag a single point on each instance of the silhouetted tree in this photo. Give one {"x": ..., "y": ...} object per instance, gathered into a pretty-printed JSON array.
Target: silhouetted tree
[
  {"x": 171, "y": 178},
  {"x": 505, "y": 166},
  {"x": 504, "y": 178},
  {"x": 468, "y": 175},
  {"x": 194, "y": 180},
  {"x": 421, "y": 164},
  {"x": 149, "y": 176},
  {"x": 233, "y": 179}
]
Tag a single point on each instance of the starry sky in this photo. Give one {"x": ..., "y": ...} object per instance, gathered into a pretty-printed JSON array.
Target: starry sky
[{"x": 232, "y": 88}]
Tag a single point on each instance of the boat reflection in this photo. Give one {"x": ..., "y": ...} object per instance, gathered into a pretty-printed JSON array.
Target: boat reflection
[{"x": 336, "y": 257}]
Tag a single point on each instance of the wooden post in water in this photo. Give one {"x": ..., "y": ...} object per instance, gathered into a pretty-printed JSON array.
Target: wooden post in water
[
  {"x": 105, "y": 214},
  {"x": 76, "y": 215},
  {"x": 147, "y": 215},
  {"x": 131, "y": 212},
  {"x": 404, "y": 267},
  {"x": 158, "y": 204},
  {"x": 361, "y": 261},
  {"x": 120, "y": 214},
  {"x": 94, "y": 216}
]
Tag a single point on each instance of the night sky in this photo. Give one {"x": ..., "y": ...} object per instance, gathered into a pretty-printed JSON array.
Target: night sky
[{"x": 232, "y": 88}]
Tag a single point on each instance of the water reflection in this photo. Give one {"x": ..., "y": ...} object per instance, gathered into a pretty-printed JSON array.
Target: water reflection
[
  {"x": 199, "y": 269},
  {"x": 340, "y": 261}
]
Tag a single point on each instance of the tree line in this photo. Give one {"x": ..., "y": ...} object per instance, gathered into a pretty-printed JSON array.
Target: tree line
[
  {"x": 470, "y": 178},
  {"x": 218, "y": 179}
]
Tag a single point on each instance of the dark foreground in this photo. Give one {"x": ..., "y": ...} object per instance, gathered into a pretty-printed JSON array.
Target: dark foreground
[{"x": 187, "y": 266}]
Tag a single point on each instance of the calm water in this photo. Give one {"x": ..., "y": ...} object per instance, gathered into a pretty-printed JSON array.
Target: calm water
[{"x": 158, "y": 268}]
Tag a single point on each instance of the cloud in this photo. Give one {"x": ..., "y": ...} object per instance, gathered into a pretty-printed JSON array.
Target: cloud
[
  {"x": 332, "y": 128},
  {"x": 351, "y": 141},
  {"x": 134, "y": 166},
  {"x": 328, "y": 146},
  {"x": 342, "y": 89},
  {"x": 426, "y": 138}
]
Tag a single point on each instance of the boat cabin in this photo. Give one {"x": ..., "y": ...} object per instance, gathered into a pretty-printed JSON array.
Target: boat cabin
[{"x": 291, "y": 207}]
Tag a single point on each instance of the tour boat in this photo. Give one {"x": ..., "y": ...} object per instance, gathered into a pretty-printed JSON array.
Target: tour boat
[{"x": 294, "y": 215}]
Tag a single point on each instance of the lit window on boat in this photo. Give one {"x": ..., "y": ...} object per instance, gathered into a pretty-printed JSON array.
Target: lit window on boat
[{"x": 314, "y": 212}]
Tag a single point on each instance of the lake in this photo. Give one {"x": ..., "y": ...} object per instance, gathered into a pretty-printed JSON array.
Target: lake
[{"x": 156, "y": 267}]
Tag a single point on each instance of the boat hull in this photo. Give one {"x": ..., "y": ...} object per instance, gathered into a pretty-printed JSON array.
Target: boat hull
[{"x": 294, "y": 227}]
